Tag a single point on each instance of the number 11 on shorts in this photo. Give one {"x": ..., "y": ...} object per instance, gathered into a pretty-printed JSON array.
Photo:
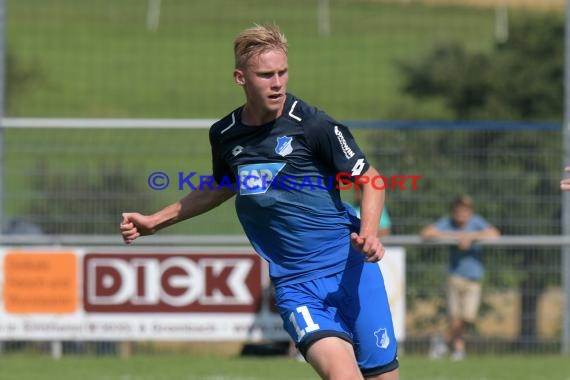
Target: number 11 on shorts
[{"x": 303, "y": 312}]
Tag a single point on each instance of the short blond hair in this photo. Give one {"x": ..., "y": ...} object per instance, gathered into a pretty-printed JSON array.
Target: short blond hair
[{"x": 256, "y": 40}]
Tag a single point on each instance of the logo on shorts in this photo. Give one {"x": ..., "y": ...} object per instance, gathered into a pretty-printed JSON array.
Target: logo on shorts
[
  {"x": 284, "y": 146},
  {"x": 382, "y": 338}
]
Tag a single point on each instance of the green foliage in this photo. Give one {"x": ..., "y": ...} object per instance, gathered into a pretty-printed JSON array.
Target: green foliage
[
  {"x": 521, "y": 79},
  {"x": 451, "y": 72},
  {"x": 512, "y": 174},
  {"x": 20, "y": 77}
]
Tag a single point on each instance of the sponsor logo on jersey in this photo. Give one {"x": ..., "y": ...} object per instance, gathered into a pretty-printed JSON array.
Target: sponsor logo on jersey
[
  {"x": 284, "y": 146},
  {"x": 257, "y": 178},
  {"x": 357, "y": 168},
  {"x": 348, "y": 153},
  {"x": 237, "y": 150},
  {"x": 382, "y": 338}
]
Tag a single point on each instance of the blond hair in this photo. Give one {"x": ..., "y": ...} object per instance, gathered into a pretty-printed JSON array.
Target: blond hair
[{"x": 256, "y": 40}]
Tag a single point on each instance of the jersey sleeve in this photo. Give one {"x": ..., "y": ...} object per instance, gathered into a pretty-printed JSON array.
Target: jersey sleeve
[
  {"x": 335, "y": 146},
  {"x": 220, "y": 169}
]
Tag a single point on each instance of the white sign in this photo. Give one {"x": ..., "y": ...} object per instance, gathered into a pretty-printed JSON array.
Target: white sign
[{"x": 193, "y": 295}]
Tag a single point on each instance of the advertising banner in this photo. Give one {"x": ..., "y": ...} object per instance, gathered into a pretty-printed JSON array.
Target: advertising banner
[{"x": 164, "y": 294}]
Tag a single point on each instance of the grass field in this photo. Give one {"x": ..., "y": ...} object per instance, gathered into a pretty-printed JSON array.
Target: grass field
[
  {"x": 192, "y": 367},
  {"x": 97, "y": 59}
]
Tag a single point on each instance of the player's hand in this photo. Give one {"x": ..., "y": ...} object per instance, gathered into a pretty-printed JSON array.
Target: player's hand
[
  {"x": 134, "y": 225},
  {"x": 370, "y": 246},
  {"x": 565, "y": 183}
]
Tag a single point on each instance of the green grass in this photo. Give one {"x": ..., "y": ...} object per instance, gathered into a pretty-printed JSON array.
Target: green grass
[
  {"x": 194, "y": 367},
  {"x": 95, "y": 58}
]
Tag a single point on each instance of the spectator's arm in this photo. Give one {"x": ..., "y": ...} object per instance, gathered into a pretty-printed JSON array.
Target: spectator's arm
[
  {"x": 432, "y": 232},
  {"x": 490, "y": 232}
]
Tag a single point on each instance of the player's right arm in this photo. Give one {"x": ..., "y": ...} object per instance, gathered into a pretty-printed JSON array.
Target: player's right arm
[{"x": 195, "y": 203}]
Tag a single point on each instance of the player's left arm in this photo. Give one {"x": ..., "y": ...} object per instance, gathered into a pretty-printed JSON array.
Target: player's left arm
[
  {"x": 335, "y": 146},
  {"x": 371, "y": 208}
]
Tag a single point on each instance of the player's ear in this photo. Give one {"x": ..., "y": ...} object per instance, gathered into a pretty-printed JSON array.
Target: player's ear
[{"x": 239, "y": 77}]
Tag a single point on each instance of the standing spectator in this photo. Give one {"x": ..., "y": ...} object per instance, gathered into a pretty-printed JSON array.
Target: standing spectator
[{"x": 465, "y": 268}]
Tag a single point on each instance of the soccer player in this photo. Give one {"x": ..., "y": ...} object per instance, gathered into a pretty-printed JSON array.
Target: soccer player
[
  {"x": 277, "y": 154},
  {"x": 465, "y": 271}
]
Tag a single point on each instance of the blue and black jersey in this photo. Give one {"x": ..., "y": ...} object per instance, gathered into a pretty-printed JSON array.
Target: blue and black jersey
[{"x": 288, "y": 203}]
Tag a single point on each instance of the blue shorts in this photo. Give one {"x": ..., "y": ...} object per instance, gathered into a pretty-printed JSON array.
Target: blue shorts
[{"x": 351, "y": 305}]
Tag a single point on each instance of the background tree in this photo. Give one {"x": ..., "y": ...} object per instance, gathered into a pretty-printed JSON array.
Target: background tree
[{"x": 520, "y": 80}]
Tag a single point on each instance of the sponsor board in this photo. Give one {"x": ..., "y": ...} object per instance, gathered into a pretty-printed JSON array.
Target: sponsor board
[{"x": 125, "y": 294}]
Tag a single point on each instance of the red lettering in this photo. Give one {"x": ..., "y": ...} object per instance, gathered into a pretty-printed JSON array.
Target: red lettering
[
  {"x": 344, "y": 178},
  {"x": 383, "y": 179},
  {"x": 360, "y": 180},
  {"x": 397, "y": 180},
  {"x": 414, "y": 178}
]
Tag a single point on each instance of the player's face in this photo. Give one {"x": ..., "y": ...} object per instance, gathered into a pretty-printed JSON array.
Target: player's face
[{"x": 264, "y": 80}]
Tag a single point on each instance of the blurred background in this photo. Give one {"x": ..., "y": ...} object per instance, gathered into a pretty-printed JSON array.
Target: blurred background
[{"x": 469, "y": 94}]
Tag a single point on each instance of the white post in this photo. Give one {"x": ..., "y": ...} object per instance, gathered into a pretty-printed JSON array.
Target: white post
[
  {"x": 324, "y": 17},
  {"x": 153, "y": 15},
  {"x": 501, "y": 23},
  {"x": 56, "y": 349}
]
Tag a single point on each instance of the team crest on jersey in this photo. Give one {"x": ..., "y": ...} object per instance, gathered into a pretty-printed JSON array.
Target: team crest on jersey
[
  {"x": 382, "y": 338},
  {"x": 257, "y": 178},
  {"x": 284, "y": 146}
]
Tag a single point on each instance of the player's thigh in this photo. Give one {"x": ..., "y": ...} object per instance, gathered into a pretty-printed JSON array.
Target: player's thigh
[
  {"x": 333, "y": 358},
  {"x": 392, "y": 375},
  {"x": 307, "y": 316},
  {"x": 367, "y": 313}
]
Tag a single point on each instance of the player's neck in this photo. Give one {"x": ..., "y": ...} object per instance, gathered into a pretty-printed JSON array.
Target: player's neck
[{"x": 254, "y": 117}]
